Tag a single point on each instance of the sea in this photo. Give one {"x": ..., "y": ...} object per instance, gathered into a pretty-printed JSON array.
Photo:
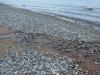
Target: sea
[{"x": 81, "y": 9}]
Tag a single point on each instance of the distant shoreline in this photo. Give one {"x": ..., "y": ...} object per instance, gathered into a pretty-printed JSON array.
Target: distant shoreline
[{"x": 29, "y": 21}]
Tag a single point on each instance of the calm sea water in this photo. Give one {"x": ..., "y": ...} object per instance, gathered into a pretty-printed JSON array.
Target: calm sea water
[{"x": 72, "y": 8}]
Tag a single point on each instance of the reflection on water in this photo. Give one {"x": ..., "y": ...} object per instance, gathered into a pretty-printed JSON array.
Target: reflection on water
[{"x": 72, "y": 8}]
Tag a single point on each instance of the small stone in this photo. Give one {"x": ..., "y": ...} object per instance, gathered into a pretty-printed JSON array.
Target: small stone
[
  {"x": 60, "y": 57},
  {"x": 77, "y": 65},
  {"x": 16, "y": 72},
  {"x": 86, "y": 72},
  {"x": 68, "y": 50},
  {"x": 91, "y": 52},
  {"x": 96, "y": 63}
]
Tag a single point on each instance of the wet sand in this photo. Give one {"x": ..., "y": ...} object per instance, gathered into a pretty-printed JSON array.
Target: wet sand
[{"x": 50, "y": 36}]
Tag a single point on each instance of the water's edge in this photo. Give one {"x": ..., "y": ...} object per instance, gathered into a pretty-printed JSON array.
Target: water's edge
[{"x": 73, "y": 9}]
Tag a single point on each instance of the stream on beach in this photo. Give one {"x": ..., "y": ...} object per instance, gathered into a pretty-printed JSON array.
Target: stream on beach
[{"x": 81, "y": 9}]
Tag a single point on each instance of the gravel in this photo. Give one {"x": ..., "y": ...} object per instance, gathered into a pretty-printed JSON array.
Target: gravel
[
  {"x": 28, "y": 21},
  {"x": 31, "y": 62}
]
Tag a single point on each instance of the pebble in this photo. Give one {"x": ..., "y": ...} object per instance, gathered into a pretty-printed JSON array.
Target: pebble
[
  {"x": 30, "y": 61},
  {"x": 68, "y": 50},
  {"x": 96, "y": 63}
]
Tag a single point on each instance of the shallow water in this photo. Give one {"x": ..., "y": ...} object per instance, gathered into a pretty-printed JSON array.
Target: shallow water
[{"x": 72, "y": 8}]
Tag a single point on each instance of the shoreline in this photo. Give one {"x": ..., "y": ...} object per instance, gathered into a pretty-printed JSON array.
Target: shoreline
[
  {"x": 38, "y": 37},
  {"x": 28, "y": 20},
  {"x": 95, "y": 24}
]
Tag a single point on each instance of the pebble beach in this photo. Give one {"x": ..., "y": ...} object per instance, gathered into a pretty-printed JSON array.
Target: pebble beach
[{"x": 34, "y": 43}]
